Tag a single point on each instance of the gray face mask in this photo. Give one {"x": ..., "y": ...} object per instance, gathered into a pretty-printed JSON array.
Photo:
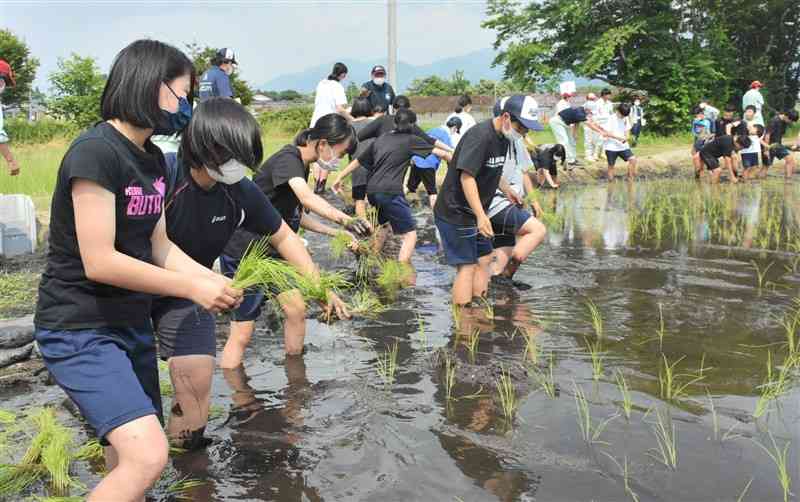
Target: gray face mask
[
  {"x": 331, "y": 164},
  {"x": 229, "y": 173}
]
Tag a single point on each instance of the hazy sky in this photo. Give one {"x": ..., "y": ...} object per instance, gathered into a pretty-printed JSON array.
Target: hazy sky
[{"x": 270, "y": 37}]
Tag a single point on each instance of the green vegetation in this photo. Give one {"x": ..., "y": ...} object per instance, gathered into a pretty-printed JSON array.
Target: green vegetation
[
  {"x": 622, "y": 385},
  {"x": 546, "y": 380},
  {"x": 775, "y": 385},
  {"x": 393, "y": 275},
  {"x": 507, "y": 395},
  {"x": 667, "y": 451},
  {"x": 780, "y": 457},
  {"x": 18, "y": 291},
  {"x": 589, "y": 431},
  {"x": 449, "y": 377},
  {"x": 673, "y": 385},
  {"x": 365, "y": 303},
  {"x": 387, "y": 365}
]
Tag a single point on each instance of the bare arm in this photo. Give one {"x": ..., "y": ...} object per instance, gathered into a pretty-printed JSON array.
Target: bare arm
[
  {"x": 13, "y": 167},
  {"x": 347, "y": 171},
  {"x": 470, "y": 187},
  {"x": 442, "y": 154},
  {"x": 314, "y": 225},
  {"x": 596, "y": 128},
  {"x": 315, "y": 203},
  {"x": 169, "y": 256},
  {"x": 342, "y": 110},
  {"x": 442, "y": 146},
  {"x": 95, "y": 226}
]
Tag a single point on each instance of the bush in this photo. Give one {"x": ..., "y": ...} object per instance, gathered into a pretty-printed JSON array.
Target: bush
[
  {"x": 289, "y": 120},
  {"x": 41, "y": 131}
]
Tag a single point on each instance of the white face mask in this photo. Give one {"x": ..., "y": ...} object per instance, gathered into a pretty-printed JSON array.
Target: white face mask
[
  {"x": 228, "y": 70},
  {"x": 637, "y": 102},
  {"x": 229, "y": 173},
  {"x": 511, "y": 134},
  {"x": 330, "y": 164},
  {"x": 379, "y": 81}
]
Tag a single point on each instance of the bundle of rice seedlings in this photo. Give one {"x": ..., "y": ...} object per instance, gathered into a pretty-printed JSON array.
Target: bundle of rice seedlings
[
  {"x": 56, "y": 457},
  {"x": 317, "y": 288},
  {"x": 91, "y": 451},
  {"x": 393, "y": 275},
  {"x": 248, "y": 274},
  {"x": 340, "y": 244},
  {"x": 179, "y": 488},
  {"x": 7, "y": 417},
  {"x": 14, "y": 479},
  {"x": 365, "y": 303}
]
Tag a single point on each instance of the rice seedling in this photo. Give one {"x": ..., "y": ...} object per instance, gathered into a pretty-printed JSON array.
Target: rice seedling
[
  {"x": 780, "y": 457},
  {"x": 179, "y": 488},
  {"x": 790, "y": 322},
  {"x": 423, "y": 336},
  {"x": 387, "y": 365},
  {"x": 745, "y": 490},
  {"x": 774, "y": 386},
  {"x": 248, "y": 274},
  {"x": 625, "y": 473},
  {"x": 340, "y": 244},
  {"x": 471, "y": 343},
  {"x": 667, "y": 451},
  {"x": 365, "y": 303},
  {"x": 597, "y": 318},
  {"x": 761, "y": 273},
  {"x": 673, "y": 385},
  {"x": 449, "y": 377},
  {"x": 546, "y": 380},
  {"x": 589, "y": 432},
  {"x": 531, "y": 353},
  {"x": 622, "y": 385},
  {"x": 457, "y": 313},
  {"x": 393, "y": 275},
  {"x": 90, "y": 451},
  {"x": 56, "y": 458},
  {"x": 507, "y": 395},
  {"x": 488, "y": 308},
  {"x": 216, "y": 411},
  {"x": 7, "y": 417},
  {"x": 14, "y": 479},
  {"x": 36, "y": 498},
  {"x": 661, "y": 332},
  {"x": 165, "y": 384},
  {"x": 596, "y": 352}
]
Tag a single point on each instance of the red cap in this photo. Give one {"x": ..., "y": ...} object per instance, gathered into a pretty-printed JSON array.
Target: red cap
[
  {"x": 6, "y": 73},
  {"x": 756, "y": 84}
]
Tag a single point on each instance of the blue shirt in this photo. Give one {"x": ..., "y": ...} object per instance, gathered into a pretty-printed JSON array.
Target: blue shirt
[
  {"x": 701, "y": 126},
  {"x": 432, "y": 161},
  {"x": 215, "y": 83}
]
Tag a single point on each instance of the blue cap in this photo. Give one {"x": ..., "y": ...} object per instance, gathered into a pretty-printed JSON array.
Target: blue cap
[{"x": 525, "y": 109}]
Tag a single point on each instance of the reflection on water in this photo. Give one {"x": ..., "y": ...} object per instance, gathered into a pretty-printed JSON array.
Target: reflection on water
[{"x": 690, "y": 274}]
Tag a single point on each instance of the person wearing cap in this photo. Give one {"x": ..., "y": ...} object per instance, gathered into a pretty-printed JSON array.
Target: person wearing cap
[
  {"x": 472, "y": 180},
  {"x": 6, "y": 80},
  {"x": 590, "y": 138},
  {"x": 378, "y": 90},
  {"x": 517, "y": 232},
  {"x": 753, "y": 97},
  {"x": 216, "y": 81},
  {"x": 423, "y": 169}
]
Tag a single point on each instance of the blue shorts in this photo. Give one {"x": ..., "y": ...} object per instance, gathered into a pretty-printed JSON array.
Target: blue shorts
[
  {"x": 462, "y": 245},
  {"x": 749, "y": 160},
  {"x": 250, "y": 308},
  {"x": 612, "y": 155},
  {"x": 183, "y": 328},
  {"x": 394, "y": 209},
  {"x": 506, "y": 225},
  {"x": 111, "y": 374}
]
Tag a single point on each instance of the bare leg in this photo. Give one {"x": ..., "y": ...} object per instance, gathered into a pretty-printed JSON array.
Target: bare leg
[
  {"x": 788, "y": 166},
  {"x": 139, "y": 455},
  {"x": 529, "y": 237},
  {"x": 501, "y": 258},
  {"x": 432, "y": 200},
  {"x": 463, "y": 284},
  {"x": 407, "y": 248},
  {"x": 610, "y": 174},
  {"x": 191, "y": 379},
  {"x": 380, "y": 238},
  {"x": 715, "y": 174},
  {"x": 294, "y": 325},
  {"x": 632, "y": 168},
  {"x": 480, "y": 279},
  {"x": 361, "y": 209},
  {"x": 238, "y": 340}
]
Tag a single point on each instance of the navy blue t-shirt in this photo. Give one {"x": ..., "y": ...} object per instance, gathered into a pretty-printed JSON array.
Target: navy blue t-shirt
[
  {"x": 573, "y": 115},
  {"x": 215, "y": 83}
]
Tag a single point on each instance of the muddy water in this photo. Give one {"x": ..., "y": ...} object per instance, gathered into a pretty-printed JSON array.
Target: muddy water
[{"x": 325, "y": 427}]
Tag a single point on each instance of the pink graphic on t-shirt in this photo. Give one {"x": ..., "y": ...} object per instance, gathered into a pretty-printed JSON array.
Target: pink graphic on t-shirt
[
  {"x": 141, "y": 204},
  {"x": 160, "y": 186}
]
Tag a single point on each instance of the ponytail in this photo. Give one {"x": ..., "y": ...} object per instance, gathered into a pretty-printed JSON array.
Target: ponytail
[
  {"x": 333, "y": 128},
  {"x": 339, "y": 69},
  {"x": 302, "y": 137},
  {"x": 404, "y": 120},
  {"x": 463, "y": 102}
]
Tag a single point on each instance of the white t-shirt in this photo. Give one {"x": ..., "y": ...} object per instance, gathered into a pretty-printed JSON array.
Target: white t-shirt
[
  {"x": 591, "y": 107},
  {"x": 604, "y": 111},
  {"x": 755, "y": 141},
  {"x": 467, "y": 121},
  {"x": 618, "y": 126},
  {"x": 562, "y": 104},
  {"x": 329, "y": 95},
  {"x": 518, "y": 161}
]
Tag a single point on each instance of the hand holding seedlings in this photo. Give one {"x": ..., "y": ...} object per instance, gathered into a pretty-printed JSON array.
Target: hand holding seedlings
[
  {"x": 359, "y": 227},
  {"x": 215, "y": 295},
  {"x": 335, "y": 304}
]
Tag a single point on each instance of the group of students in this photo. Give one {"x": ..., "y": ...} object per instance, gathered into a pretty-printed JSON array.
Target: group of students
[{"x": 738, "y": 142}]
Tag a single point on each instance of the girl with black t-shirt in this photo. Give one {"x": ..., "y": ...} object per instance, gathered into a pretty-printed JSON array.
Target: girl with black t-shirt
[
  {"x": 208, "y": 198},
  {"x": 109, "y": 253},
  {"x": 362, "y": 113},
  {"x": 284, "y": 180},
  {"x": 389, "y": 158}
]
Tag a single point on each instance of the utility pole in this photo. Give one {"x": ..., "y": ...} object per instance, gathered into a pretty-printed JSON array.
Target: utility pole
[{"x": 392, "y": 42}]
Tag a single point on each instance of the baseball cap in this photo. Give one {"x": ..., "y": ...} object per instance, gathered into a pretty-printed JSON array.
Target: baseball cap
[
  {"x": 6, "y": 73},
  {"x": 378, "y": 70},
  {"x": 591, "y": 96},
  {"x": 227, "y": 54},
  {"x": 756, "y": 84},
  {"x": 523, "y": 108}
]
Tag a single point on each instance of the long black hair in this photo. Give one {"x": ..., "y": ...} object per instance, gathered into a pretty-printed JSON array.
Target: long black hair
[
  {"x": 463, "y": 102},
  {"x": 338, "y": 70},
  {"x": 134, "y": 82},
  {"x": 560, "y": 152},
  {"x": 220, "y": 130},
  {"x": 361, "y": 108},
  {"x": 404, "y": 120},
  {"x": 333, "y": 128},
  {"x": 401, "y": 102}
]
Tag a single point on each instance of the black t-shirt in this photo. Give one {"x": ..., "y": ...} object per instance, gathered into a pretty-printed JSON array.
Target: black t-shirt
[
  {"x": 361, "y": 174},
  {"x": 721, "y": 125},
  {"x": 379, "y": 96},
  {"x": 481, "y": 152},
  {"x": 719, "y": 147},
  {"x": 543, "y": 157},
  {"x": 385, "y": 125},
  {"x": 389, "y": 156},
  {"x": 68, "y": 300},
  {"x": 573, "y": 115},
  {"x": 776, "y": 129},
  {"x": 201, "y": 222},
  {"x": 273, "y": 180}
]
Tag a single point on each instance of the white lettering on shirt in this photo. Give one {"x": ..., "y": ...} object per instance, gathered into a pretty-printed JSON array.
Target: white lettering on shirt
[{"x": 217, "y": 219}]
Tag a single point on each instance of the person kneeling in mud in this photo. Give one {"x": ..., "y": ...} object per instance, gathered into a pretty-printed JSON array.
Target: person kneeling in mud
[
  {"x": 389, "y": 157},
  {"x": 544, "y": 159},
  {"x": 517, "y": 233},
  {"x": 722, "y": 147},
  {"x": 207, "y": 198}
]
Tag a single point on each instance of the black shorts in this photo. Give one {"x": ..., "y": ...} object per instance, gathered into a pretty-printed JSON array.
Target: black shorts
[
  {"x": 359, "y": 192},
  {"x": 779, "y": 152},
  {"x": 749, "y": 160},
  {"x": 183, "y": 328},
  {"x": 710, "y": 161},
  {"x": 426, "y": 176},
  {"x": 612, "y": 155}
]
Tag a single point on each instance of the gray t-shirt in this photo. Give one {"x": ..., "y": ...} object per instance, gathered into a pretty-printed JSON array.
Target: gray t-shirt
[{"x": 518, "y": 161}]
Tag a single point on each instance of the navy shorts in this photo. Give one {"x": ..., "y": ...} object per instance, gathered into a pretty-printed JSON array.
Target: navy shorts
[
  {"x": 394, "y": 209},
  {"x": 183, "y": 328},
  {"x": 426, "y": 176},
  {"x": 111, "y": 374},
  {"x": 710, "y": 161},
  {"x": 359, "y": 192},
  {"x": 463, "y": 245},
  {"x": 749, "y": 160},
  {"x": 612, "y": 156},
  {"x": 506, "y": 225},
  {"x": 779, "y": 152},
  {"x": 253, "y": 301}
]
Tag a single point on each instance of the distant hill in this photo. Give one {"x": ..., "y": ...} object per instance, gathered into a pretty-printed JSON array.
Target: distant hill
[{"x": 475, "y": 65}]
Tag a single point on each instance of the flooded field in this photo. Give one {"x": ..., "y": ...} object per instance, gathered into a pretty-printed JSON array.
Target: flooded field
[{"x": 653, "y": 358}]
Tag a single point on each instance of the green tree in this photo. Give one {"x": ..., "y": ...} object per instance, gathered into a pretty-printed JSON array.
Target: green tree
[
  {"x": 664, "y": 47},
  {"x": 15, "y": 51},
  {"x": 458, "y": 84},
  {"x": 429, "y": 86},
  {"x": 77, "y": 88},
  {"x": 201, "y": 58},
  {"x": 353, "y": 91}
]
